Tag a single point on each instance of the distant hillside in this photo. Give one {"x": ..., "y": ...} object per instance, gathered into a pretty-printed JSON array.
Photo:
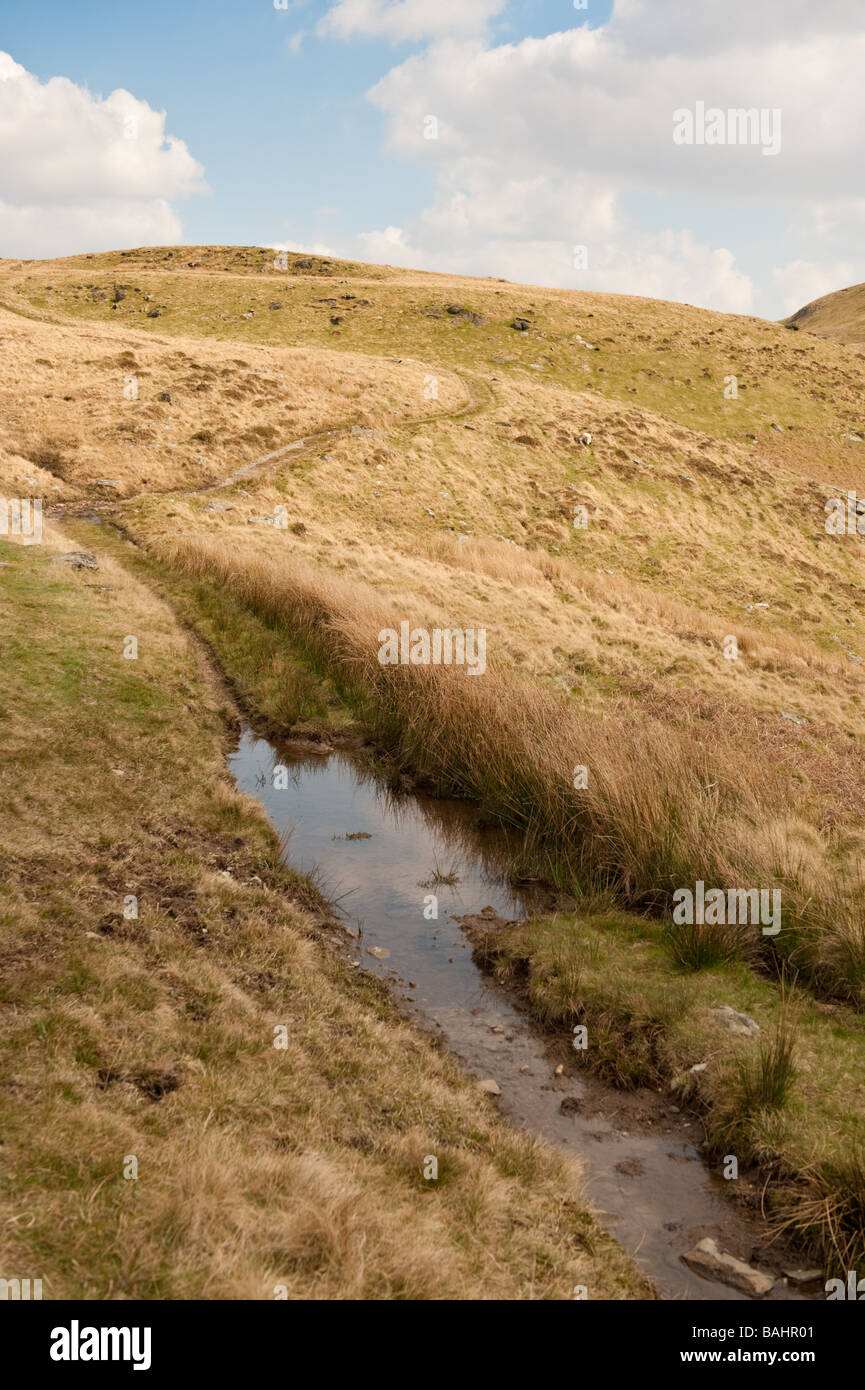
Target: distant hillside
[{"x": 840, "y": 316}]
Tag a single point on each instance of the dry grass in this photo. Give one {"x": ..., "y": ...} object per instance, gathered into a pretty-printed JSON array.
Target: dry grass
[
  {"x": 153, "y": 1037},
  {"x": 607, "y": 643},
  {"x": 663, "y": 807}
]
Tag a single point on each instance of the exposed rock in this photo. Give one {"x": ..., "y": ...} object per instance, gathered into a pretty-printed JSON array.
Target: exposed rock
[
  {"x": 521, "y": 325},
  {"x": 78, "y": 559},
  {"x": 165, "y": 396},
  {"x": 379, "y": 952},
  {"x": 793, "y": 718},
  {"x": 457, "y": 311},
  {"x": 108, "y": 482},
  {"x": 490, "y": 1087},
  {"x": 275, "y": 305},
  {"x": 803, "y": 1276},
  {"x": 708, "y": 1259},
  {"x": 737, "y": 1023}
]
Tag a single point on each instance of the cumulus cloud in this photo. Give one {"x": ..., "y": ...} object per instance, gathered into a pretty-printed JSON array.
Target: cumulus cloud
[
  {"x": 668, "y": 26},
  {"x": 539, "y": 142},
  {"x": 79, "y": 172},
  {"x": 799, "y": 282},
  {"x": 401, "y": 20}
]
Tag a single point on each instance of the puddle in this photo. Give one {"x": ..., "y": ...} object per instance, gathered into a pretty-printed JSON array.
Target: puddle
[{"x": 643, "y": 1173}]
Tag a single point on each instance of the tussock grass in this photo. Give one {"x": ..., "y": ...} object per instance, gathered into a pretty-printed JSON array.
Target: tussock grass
[
  {"x": 787, "y": 1100},
  {"x": 663, "y": 808},
  {"x": 152, "y": 1037}
]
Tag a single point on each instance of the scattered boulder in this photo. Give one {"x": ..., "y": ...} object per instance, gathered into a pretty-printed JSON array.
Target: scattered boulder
[
  {"x": 708, "y": 1259},
  {"x": 803, "y": 1276},
  {"x": 111, "y": 483},
  {"x": 165, "y": 396},
  {"x": 793, "y": 718},
  {"x": 379, "y": 952},
  {"x": 154, "y": 313},
  {"x": 741, "y": 1024},
  {"x": 275, "y": 305},
  {"x": 457, "y": 311},
  {"x": 490, "y": 1087},
  {"x": 78, "y": 560},
  {"x": 521, "y": 325}
]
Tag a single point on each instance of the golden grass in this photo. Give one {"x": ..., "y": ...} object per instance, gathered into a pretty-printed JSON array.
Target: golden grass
[
  {"x": 663, "y": 806},
  {"x": 258, "y": 1169}
]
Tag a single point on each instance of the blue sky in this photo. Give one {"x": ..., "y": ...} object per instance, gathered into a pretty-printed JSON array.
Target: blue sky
[
  {"x": 285, "y": 137},
  {"x": 555, "y": 131}
]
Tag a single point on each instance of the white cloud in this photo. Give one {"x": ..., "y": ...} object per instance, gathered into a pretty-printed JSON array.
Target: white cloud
[
  {"x": 540, "y": 141},
  {"x": 800, "y": 282},
  {"x": 79, "y": 172},
  {"x": 669, "y": 26},
  {"x": 400, "y": 20}
]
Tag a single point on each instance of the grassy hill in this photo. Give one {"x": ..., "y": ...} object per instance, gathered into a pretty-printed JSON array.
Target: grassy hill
[
  {"x": 430, "y": 442},
  {"x": 839, "y": 316}
]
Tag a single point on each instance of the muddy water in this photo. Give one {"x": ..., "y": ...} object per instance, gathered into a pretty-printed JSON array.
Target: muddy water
[{"x": 643, "y": 1171}]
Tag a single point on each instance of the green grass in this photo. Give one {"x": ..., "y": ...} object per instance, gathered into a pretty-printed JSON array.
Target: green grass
[{"x": 788, "y": 1100}]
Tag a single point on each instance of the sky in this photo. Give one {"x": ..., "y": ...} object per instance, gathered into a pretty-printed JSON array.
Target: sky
[{"x": 529, "y": 139}]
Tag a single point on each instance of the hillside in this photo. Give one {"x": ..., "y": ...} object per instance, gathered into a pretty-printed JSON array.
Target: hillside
[
  {"x": 629, "y": 496},
  {"x": 839, "y": 316}
]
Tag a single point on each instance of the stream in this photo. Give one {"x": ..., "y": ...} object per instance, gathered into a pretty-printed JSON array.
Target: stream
[{"x": 643, "y": 1172}]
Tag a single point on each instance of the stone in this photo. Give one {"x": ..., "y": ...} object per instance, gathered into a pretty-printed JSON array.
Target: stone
[
  {"x": 737, "y": 1023},
  {"x": 490, "y": 1087},
  {"x": 803, "y": 1276},
  {"x": 379, "y": 952},
  {"x": 78, "y": 560},
  {"x": 793, "y": 718},
  {"x": 708, "y": 1259},
  {"x": 521, "y": 325}
]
